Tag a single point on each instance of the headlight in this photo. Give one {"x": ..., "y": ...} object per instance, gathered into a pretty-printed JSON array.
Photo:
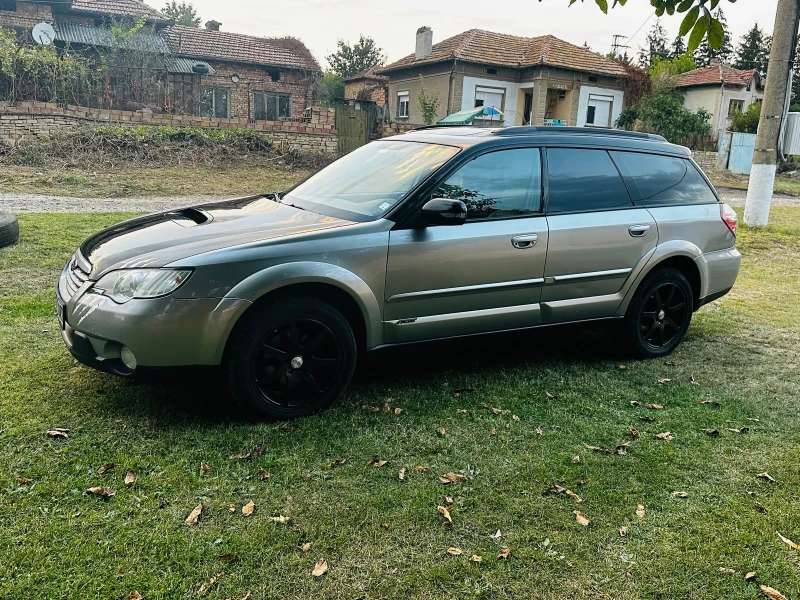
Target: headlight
[{"x": 127, "y": 284}]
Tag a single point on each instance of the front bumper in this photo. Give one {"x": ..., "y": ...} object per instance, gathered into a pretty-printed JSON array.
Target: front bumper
[{"x": 161, "y": 332}]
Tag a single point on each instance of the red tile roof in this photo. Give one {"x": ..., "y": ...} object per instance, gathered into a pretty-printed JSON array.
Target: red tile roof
[
  {"x": 487, "y": 47},
  {"x": 123, "y": 8},
  {"x": 370, "y": 73},
  {"x": 237, "y": 47},
  {"x": 717, "y": 74}
]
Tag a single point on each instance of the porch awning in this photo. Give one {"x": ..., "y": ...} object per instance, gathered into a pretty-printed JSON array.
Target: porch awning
[{"x": 466, "y": 117}]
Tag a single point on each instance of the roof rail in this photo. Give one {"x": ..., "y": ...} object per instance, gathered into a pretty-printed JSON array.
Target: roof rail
[{"x": 533, "y": 129}]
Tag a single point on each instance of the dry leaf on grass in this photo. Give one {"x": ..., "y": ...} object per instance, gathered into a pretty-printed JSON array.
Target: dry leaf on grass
[
  {"x": 59, "y": 433},
  {"x": 227, "y": 558},
  {"x": 397, "y": 411},
  {"x": 205, "y": 468},
  {"x": 130, "y": 478},
  {"x": 231, "y": 508},
  {"x": 449, "y": 478},
  {"x": 635, "y": 403},
  {"x": 378, "y": 463},
  {"x": 306, "y": 547},
  {"x": 681, "y": 494},
  {"x": 263, "y": 474},
  {"x": 666, "y": 436},
  {"x": 445, "y": 513},
  {"x": 551, "y": 396},
  {"x": 504, "y": 553},
  {"x": 248, "y": 508},
  {"x": 497, "y": 411},
  {"x": 103, "y": 492},
  {"x": 207, "y": 586},
  {"x": 753, "y": 419},
  {"x": 766, "y": 477},
  {"x": 453, "y": 551},
  {"x": 493, "y": 431},
  {"x": 772, "y": 593},
  {"x": 573, "y": 495},
  {"x": 372, "y": 409},
  {"x": 134, "y": 595},
  {"x": 386, "y": 407},
  {"x": 760, "y": 507},
  {"x": 539, "y": 431},
  {"x": 106, "y": 468},
  {"x": 581, "y": 518},
  {"x": 401, "y": 474},
  {"x": 727, "y": 571},
  {"x": 191, "y": 520},
  {"x": 712, "y": 432},
  {"x": 647, "y": 419},
  {"x": 633, "y": 431},
  {"x": 622, "y": 367},
  {"x": 442, "y": 431},
  {"x": 623, "y": 531},
  {"x": 693, "y": 381},
  {"x": 664, "y": 380},
  {"x": 23, "y": 480},
  {"x": 496, "y": 535},
  {"x": 640, "y": 512},
  {"x": 622, "y": 449},
  {"x": 421, "y": 468},
  {"x": 515, "y": 417},
  {"x": 669, "y": 363},
  {"x": 601, "y": 449},
  {"x": 750, "y": 575},
  {"x": 576, "y": 459},
  {"x": 320, "y": 568},
  {"x": 739, "y": 430},
  {"x": 280, "y": 519},
  {"x": 448, "y": 500},
  {"x": 652, "y": 406},
  {"x": 462, "y": 411},
  {"x": 260, "y": 451},
  {"x": 789, "y": 542},
  {"x": 337, "y": 463},
  {"x": 582, "y": 481},
  {"x": 475, "y": 558}
]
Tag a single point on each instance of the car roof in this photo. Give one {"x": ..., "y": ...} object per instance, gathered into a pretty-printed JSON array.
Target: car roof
[{"x": 612, "y": 139}]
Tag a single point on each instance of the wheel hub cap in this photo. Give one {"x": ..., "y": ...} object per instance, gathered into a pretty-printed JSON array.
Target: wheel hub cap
[
  {"x": 297, "y": 362},
  {"x": 661, "y": 315}
]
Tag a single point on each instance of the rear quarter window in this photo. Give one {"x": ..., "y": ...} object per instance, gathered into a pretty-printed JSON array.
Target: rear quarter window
[
  {"x": 583, "y": 180},
  {"x": 655, "y": 180}
]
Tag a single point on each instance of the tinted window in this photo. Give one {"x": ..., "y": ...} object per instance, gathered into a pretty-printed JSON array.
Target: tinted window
[
  {"x": 583, "y": 180},
  {"x": 497, "y": 185},
  {"x": 662, "y": 180}
]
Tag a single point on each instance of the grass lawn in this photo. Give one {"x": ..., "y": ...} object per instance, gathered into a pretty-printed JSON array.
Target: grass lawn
[
  {"x": 383, "y": 538},
  {"x": 783, "y": 184},
  {"x": 229, "y": 180}
]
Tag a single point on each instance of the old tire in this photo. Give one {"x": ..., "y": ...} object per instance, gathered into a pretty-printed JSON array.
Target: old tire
[
  {"x": 9, "y": 230},
  {"x": 290, "y": 358}
]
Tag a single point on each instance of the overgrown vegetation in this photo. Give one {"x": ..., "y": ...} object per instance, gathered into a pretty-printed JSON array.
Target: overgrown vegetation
[
  {"x": 747, "y": 121},
  {"x": 429, "y": 102}
]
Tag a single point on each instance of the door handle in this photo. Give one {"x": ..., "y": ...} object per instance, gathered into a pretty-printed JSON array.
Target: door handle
[
  {"x": 525, "y": 241},
  {"x": 638, "y": 230}
]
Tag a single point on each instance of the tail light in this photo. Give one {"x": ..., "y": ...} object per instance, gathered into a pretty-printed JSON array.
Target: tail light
[{"x": 729, "y": 217}]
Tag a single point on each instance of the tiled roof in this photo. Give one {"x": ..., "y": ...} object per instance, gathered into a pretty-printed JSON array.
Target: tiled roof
[
  {"x": 237, "y": 47},
  {"x": 370, "y": 73},
  {"x": 486, "y": 47},
  {"x": 123, "y": 8},
  {"x": 717, "y": 74}
]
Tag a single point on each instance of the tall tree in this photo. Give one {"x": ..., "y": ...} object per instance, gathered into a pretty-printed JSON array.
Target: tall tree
[
  {"x": 753, "y": 50},
  {"x": 678, "y": 48},
  {"x": 349, "y": 60},
  {"x": 705, "y": 53},
  {"x": 656, "y": 47},
  {"x": 183, "y": 13}
]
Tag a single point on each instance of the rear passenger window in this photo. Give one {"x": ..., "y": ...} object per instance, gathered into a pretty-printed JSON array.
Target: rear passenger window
[
  {"x": 655, "y": 180},
  {"x": 583, "y": 180}
]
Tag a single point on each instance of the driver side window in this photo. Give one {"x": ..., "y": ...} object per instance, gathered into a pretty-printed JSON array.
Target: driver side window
[{"x": 498, "y": 185}]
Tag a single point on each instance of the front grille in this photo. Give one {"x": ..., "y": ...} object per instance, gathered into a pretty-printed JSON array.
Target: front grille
[{"x": 75, "y": 278}]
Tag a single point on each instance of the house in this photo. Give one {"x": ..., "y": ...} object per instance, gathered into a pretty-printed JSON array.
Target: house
[
  {"x": 721, "y": 90},
  {"x": 534, "y": 80},
  {"x": 367, "y": 85},
  {"x": 204, "y": 72}
]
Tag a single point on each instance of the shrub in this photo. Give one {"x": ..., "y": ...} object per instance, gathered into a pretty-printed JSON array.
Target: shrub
[
  {"x": 663, "y": 113},
  {"x": 747, "y": 121}
]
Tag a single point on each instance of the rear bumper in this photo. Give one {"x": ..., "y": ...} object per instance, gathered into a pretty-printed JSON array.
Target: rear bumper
[{"x": 719, "y": 271}]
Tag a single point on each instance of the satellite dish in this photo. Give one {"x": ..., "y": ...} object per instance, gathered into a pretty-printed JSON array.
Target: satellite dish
[{"x": 44, "y": 34}]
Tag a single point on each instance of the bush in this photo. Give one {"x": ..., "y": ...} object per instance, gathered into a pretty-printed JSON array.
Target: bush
[
  {"x": 747, "y": 121},
  {"x": 663, "y": 113}
]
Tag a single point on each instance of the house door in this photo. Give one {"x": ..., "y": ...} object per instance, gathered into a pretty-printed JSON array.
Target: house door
[
  {"x": 352, "y": 126},
  {"x": 526, "y": 112}
]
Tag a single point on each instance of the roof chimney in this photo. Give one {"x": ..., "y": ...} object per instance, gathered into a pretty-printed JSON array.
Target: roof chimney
[
  {"x": 213, "y": 25},
  {"x": 424, "y": 43}
]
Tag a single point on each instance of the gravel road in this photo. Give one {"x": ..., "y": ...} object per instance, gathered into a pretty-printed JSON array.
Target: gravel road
[{"x": 26, "y": 203}]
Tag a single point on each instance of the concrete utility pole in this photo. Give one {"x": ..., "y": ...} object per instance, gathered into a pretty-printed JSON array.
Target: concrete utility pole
[{"x": 762, "y": 174}]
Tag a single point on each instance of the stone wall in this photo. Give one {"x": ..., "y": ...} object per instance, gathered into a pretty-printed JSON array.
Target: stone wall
[
  {"x": 313, "y": 132},
  {"x": 706, "y": 160},
  {"x": 27, "y": 15}
]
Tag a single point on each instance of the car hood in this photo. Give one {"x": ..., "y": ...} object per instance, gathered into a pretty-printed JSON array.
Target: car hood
[{"x": 161, "y": 238}]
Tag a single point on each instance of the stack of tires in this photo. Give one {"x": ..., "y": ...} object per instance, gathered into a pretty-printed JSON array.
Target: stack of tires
[{"x": 9, "y": 230}]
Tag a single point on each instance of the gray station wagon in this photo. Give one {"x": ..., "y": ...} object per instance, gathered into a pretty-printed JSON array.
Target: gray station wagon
[{"x": 437, "y": 233}]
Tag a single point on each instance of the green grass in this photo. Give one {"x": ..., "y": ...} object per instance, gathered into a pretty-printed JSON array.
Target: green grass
[
  {"x": 58, "y": 542},
  {"x": 783, "y": 184}
]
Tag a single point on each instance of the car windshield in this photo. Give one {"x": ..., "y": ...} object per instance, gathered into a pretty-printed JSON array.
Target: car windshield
[{"x": 368, "y": 182}]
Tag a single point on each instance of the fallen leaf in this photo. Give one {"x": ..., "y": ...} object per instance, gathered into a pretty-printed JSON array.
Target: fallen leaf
[
  {"x": 263, "y": 474},
  {"x": 448, "y": 500},
  {"x": 338, "y": 463},
  {"x": 248, "y": 508},
  {"x": 306, "y": 547},
  {"x": 191, "y": 520},
  {"x": 386, "y": 407},
  {"x": 601, "y": 449},
  {"x": 582, "y": 481},
  {"x": 227, "y": 558},
  {"x": 669, "y": 363},
  {"x": 401, "y": 474},
  {"x": 555, "y": 489},
  {"x": 750, "y": 575},
  {"x": 515, "y": 417},
  {"x": 496, "y": 535},
  {"x": 654, "y": 406},
  {"x": 420, "y": 468},
  {"x": 647, "y": 419},
  {"x": 134, "y": 595},
  {"x": 58, "y": 433},
  {"x": 539, "y": 431},
  {"x": 551, "y": 396},
  {"x": 576, "y": 459},
  {"x": 681, "y": 494},
  {"x": 23, "y": 480},
  {"x": 581, "y": 518},
  {"x": 379, "y": 463},
  {"x": 760, "y": 507},
  {"x": 449, "y": 478},
  {"x": 789, "y": 542},
  {"x": 772, "y": 593},
  {"x": 504, "y": 553},
  {"x": 711, "y": 432},
  {"x": 372, "y": 409},
  {"x": 664, "y": 380},
  {"x": 666, "y": 436},
  {"x": 445, "y": 513},
  {"x": 493, "y": 431},
  {"x": 497, "y": 411},
  {"x": 103, "y": 492},
  {"x": 573, "y": 495},
  {"x": 260, "y": 451},
  {"x": 397, "y": 411},
  {"x": 622, "y": 449},
  {"x": 766, "y": 477},
  {"x": 635, "y": 403},
  {"x": 709, "y": 401},
  {"x": 442, "y": 431},
  {"x": 640, "y": 512},
  {"x": 633, "y": 431},
  {"x": 392, "y": 571},
  {"x": 740, "y": 430},
  {"x": 475, "y": 558},
  {"x": 205, "y": 468},
  {"x": 106, "y": 468},
  {"x": 726, "y": 571},
  {"x": 320, "y": 568},
  {"x": 280, "y": 519},
  {"x": 207, "y": 586},
  {"x": 462, "y": 411},
  {"x": 247, "y": 596},
  {"x": 130, "y": 478},
  {"x": 623, "y": 531},
  {"x": 753, "y": 419},
  {"x": 453, "y": 551},
  {"x": 231, "y": 508},
  {"x": 693, "y": 381},
  {"x": 622, "y": 367}
]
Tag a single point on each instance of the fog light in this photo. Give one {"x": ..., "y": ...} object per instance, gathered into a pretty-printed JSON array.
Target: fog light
[{"x": 128, "y": 358}]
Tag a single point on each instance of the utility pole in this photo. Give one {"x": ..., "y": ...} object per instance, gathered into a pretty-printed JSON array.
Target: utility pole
[{"x": 765, "y": 158}]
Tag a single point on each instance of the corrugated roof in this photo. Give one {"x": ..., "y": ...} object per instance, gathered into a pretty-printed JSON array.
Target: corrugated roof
[
  {"x": 91, "y": 35},
  {"x": 717, "y": 74},
  {"x": 123, "y": 8},
  {"x": 487, "y": 47},
  {"x": 370, "y": 73},
  {"x": 179, "y": 64},
  {"x": 237, "y": 47}
]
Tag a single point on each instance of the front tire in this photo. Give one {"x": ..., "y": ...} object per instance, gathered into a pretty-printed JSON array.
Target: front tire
[
  {"x": 290, "y": 358},
  {"x": 660, "y": 313}
]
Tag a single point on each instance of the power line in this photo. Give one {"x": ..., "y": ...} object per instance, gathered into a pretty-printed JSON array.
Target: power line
[{"x": 630, "y": 39}]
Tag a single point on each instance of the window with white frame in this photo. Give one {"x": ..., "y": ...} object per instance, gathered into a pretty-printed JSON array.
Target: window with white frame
[
  {"x": 598, "y": 110},
  {"x": 402, "y": 104}
]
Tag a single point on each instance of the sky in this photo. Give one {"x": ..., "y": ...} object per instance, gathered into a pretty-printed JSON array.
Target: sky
[{"x": 393, "y": 25}]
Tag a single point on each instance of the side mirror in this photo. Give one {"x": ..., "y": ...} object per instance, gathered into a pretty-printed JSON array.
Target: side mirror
[{"x": 441, "y": 211}]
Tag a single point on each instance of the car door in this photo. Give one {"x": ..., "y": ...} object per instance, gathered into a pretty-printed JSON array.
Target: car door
[
  {"x": 597, "y": 236},
  {"x": 483, "y": 275}
]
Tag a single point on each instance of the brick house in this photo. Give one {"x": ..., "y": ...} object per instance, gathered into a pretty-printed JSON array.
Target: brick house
[
  {"x": 533, "y": 80},
  {"x": 367, "y": 85},
  {"x": 206, "y": 72}
]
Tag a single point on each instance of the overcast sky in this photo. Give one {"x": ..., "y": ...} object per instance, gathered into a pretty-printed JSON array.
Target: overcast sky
[{"x": 319, "y": 23}]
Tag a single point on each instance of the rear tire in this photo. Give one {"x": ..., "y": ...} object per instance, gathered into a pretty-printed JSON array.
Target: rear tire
[
  {"x": 659, "y": 314},
  {"x": 9, "y": 230},
  {"x": 290, "y": 358}
]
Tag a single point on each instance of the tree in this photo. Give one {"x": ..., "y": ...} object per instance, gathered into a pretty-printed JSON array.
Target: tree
[
  {"x": 329, "y": 88},
  {"x": 753, "y": 50},
  {"x": 655, "y": 46},
  {"x": 183, "y": 13},
  {"x": 428, "y": 103},
  {"x": 724, "y": 53},
  {"x": 747, "y": 121},
  {"x": 678, "y": 48},
  {"x": 349, "y": 60},
  {"x": 664, "y": 72}
]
